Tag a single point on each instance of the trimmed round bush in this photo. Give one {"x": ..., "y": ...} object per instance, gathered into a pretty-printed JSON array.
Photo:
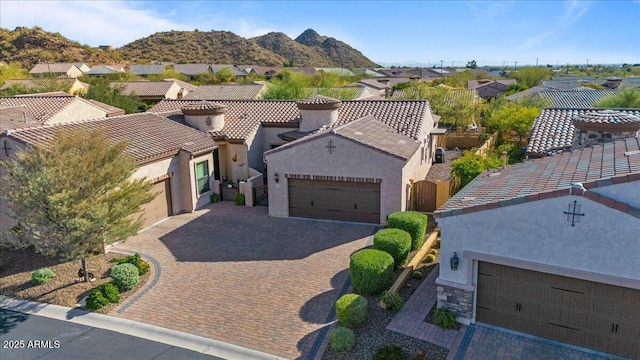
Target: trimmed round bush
[
  {"x": 392, "y": 300},
  {"x": 96, "y": 300},
  {"x": 125, "y": 276},
  {"x": 396, "y": 242},
  {"x": 429, "y": 258},
  {"x": 413, "y": 222},
  {"x": 371, "y": 271},
  {"x": 42, "y": 276},
  {"x": 342, "y": 339},
  {"x": 390, "y": 352},
  {"x": 351, "y": 310},
  {"x": 110, "y": 291},
  {"x": 135, "y": 259},
  {"x": 417, "y": 275}
]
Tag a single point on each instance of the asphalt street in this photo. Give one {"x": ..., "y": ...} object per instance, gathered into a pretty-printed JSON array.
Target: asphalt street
[{"x": 24, "y": 336}]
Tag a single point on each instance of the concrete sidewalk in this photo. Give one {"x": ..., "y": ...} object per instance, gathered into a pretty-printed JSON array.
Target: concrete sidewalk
[{"x": 135, "y": 328}]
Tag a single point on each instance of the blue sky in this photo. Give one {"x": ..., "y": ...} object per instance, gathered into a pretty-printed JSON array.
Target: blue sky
[{"x": 411, "y": 32}]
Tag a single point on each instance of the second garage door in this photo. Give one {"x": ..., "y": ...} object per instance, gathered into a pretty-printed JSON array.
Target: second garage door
[
  {"x": 335, "y": 200},
  {"x": 585, "y": 313}
]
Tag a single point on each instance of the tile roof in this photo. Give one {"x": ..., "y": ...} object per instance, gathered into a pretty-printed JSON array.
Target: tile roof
[
  {"x": 454, "y": 95},
  {"x": 607, "y": 116},
  {"x": 52, "y": 68},
  {"x": 183, "y": 84},
  {"x": 243, "y": 117},
  {"x": 43, "y": 108},
  {"x": 16, "y": 117},
  {"x": 236, "y": 72},
  {"x": 529, "y": 92},
  {"x": 551, "y": 176},
  {"x": 149, "y": 135},
  {"x": 318, "y": 100},
  {"x": 144, "y": 88},
  {"x": 111, "y": 110},
  {"x": 146, "y": 69},
  {"x": 553, "y": 130},
  {"x": 339, "y": 71},
  {"x": 191, "y": 69},
  {"x": 571, "y": 82},
  {"x": 474, "y": 84},
  {"x": 228, "y": 92},
  {"x": 104, "y": 70},
  {"x": 576, "y": 98},
  {"x": 351, "y": 92},
  {"x": 31, "y": 84}
]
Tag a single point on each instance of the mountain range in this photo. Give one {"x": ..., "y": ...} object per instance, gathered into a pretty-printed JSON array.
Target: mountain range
[{"x": 29, "y": 46}]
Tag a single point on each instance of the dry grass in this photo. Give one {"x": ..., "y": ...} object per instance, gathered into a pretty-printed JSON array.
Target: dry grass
[{"x": 16, "y": 267}]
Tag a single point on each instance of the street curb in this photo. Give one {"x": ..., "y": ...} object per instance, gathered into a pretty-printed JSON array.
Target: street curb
[{"x": 135, "y": 328}]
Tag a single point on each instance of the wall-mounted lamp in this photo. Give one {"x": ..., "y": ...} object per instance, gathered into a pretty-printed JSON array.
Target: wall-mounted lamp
[
  {"x": 276, "y": 177},
  {"x": 454, "y": 261}
]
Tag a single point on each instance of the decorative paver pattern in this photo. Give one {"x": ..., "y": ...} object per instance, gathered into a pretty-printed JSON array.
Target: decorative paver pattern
[{"x": 233, "y": 274}]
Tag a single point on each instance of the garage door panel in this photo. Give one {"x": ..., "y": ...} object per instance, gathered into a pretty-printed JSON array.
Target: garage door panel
[
  {"x": 335, "y": 200},
  {"x": 579, "y": 312},
  {"x": 158, "y": 208}
]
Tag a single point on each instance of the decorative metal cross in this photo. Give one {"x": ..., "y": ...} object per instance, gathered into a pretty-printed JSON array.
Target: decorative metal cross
[
  {"x": 330, "y": 146},
  {"x": 6, "y": 148},
  {"x": 574, "y": 210},
  {"x": 208, "y": 121}
]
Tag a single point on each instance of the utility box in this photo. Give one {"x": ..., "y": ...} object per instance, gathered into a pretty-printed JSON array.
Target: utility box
[{"x": 439, "y": 155}]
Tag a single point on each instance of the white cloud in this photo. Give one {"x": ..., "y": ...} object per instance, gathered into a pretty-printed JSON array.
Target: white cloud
[
  {"x": 574, "y": 10},
  {"x": 489, "y": 10}
]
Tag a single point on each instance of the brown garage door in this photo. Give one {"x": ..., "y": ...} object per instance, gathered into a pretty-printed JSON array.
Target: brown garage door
[
  {"x": 160, "y": 207},
  {"x": 335, "y": 200},
  {"x": 584, "y": 313}
]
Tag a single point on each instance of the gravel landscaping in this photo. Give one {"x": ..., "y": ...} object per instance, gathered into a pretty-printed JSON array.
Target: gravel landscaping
[
  {"x": 373, "y": 334},
  {"x": 442, "y": 171},
  {"x": 16, "y": 267}
]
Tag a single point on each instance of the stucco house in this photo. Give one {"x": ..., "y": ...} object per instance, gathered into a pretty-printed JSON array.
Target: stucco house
[
  {"x": 154, "y": 90},
  {"x": 104, "y": 70},
  {"x": 396, "y": 146},
  {"x": 58, "y": 69},
  {"x": 550, "y": 247},
  {"x": 36, "y": 110},
  {"x": 191, "y": 71},
  {"x": 229, "y": 91},
  {"x": 179, "y": 165},
  {"x": 146, "y": 70},
  {"x": 489, "y": 89},
  {"x": 74, "y": 85}
]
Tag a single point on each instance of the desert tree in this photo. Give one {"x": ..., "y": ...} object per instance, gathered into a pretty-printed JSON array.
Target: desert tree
[{"x": 73, "y": 194}]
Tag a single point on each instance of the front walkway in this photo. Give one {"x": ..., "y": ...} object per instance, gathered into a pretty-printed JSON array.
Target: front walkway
[
  {"x": 234, "y": 274},
  {"x": 478, "y": 341}
]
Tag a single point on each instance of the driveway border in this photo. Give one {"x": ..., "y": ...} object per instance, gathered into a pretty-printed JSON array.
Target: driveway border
[{"x": 135, "y": 328}]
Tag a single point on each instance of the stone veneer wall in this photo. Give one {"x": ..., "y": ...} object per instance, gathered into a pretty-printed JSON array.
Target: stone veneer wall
[
  {"x": 457, "y": 300},
  {"x": 590, "y": 138}
]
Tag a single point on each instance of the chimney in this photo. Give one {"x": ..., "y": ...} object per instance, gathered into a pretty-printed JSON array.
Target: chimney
[
  {"x": 613, "y": 82},
  {"x": 205, "y": 115},
  {"x": 318, "y": 111}
]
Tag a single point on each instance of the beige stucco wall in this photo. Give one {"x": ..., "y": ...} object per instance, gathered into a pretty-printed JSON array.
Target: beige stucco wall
[
  {"x": 606, "y": 241},
  {"x": 173, "y": 91},
  {"x": 349, "y": 159},
  {"x": 233, "y": 170},
  {"x": 78, "y": 111},
  {"x": 416, "y": 168},
  {"x": 314, "y": 119}
]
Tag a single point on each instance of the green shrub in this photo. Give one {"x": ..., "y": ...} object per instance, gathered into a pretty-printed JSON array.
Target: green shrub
[
  {"x": 392, "y": 299},
  {"x": 417, "y": 275},
  {"x": 342, "y": 339},
  {"x": 433, "y": 251},
  {"x": 238, "y": 199},
  {"x": 143, "y": 266},
  {"x": 413, "y": 222},
  {"x": 215, "y": 197},
  {"x": 396, "y": 242},
  {"x": 42, "y": 276},
  {"x": 430, "y": 258},
  {"x": 371, "y": 271},
  {"x": 351, "y": 309},
  {"x": 445, "y": 318},
  {"x": 125, "y": 276},
  {"x": 96, "y": 300},
  {"x": 436, "y": 245},
  {"x": 110, "y": 291},
  {"x": 390, "y": 352}
]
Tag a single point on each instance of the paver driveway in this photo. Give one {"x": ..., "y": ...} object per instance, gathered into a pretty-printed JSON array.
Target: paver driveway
[{"x": 234, "y": 274}]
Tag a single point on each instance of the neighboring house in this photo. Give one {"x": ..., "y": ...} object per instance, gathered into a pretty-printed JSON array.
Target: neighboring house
[
  {"x": 454, "y": 96},
  {"x": 267, "y": 71},
  {"x": 550, "y": 247},
  {"x": 57, "y": 69},
  {"x": 307, "y": 70},
  {"x": 373, "y": 159},
  {"x": 229, "y": 91},
  {"x": 576, "y": 98},
  {"x": 179, "y": 165},
  {"x": 572, "y": 82},
  {"x": 75, "y": 86},
  {"x": 350, "y": 92},
  {"x": 367, "y": 72},
  {"x": 338, "y": 71},
  {"x": 191, "y": 71},
  {"x": 237, "y": 73},
  {"x": 489, "y": 89},
  {"x": 558, "y": 130},
  {"x": 103, "y": 70},
  {"x": 146, "y": 70},
  {"x": 530, "y": 93},
  {"x": 41, "y": 109},
  {"x": 152, "y": 90}
]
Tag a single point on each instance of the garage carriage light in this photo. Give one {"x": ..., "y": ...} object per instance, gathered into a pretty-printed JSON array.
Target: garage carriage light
[
  {"x": 454, "y": 261},
  {"x": 276, "y": 177}
]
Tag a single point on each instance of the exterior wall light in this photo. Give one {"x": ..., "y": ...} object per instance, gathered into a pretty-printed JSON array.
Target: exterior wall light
[
  {"x": 454, "y": 261},
  {"x": 276, "y": 177}
]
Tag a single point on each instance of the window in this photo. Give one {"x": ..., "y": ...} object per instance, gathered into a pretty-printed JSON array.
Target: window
[{"x": 202, "y": 176}]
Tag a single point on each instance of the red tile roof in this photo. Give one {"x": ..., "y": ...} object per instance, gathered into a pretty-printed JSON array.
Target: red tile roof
[
  {"x": 601, "y": 165},
  {"x": 245, "y": 116},
  {"x": 149, "y": 135}
]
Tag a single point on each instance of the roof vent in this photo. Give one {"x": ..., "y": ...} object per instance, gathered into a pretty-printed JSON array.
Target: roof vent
[{"x": 633, "y": 152}]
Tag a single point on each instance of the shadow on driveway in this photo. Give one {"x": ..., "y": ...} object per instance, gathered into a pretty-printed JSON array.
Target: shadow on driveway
[{"x": 238, "y": 233}]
